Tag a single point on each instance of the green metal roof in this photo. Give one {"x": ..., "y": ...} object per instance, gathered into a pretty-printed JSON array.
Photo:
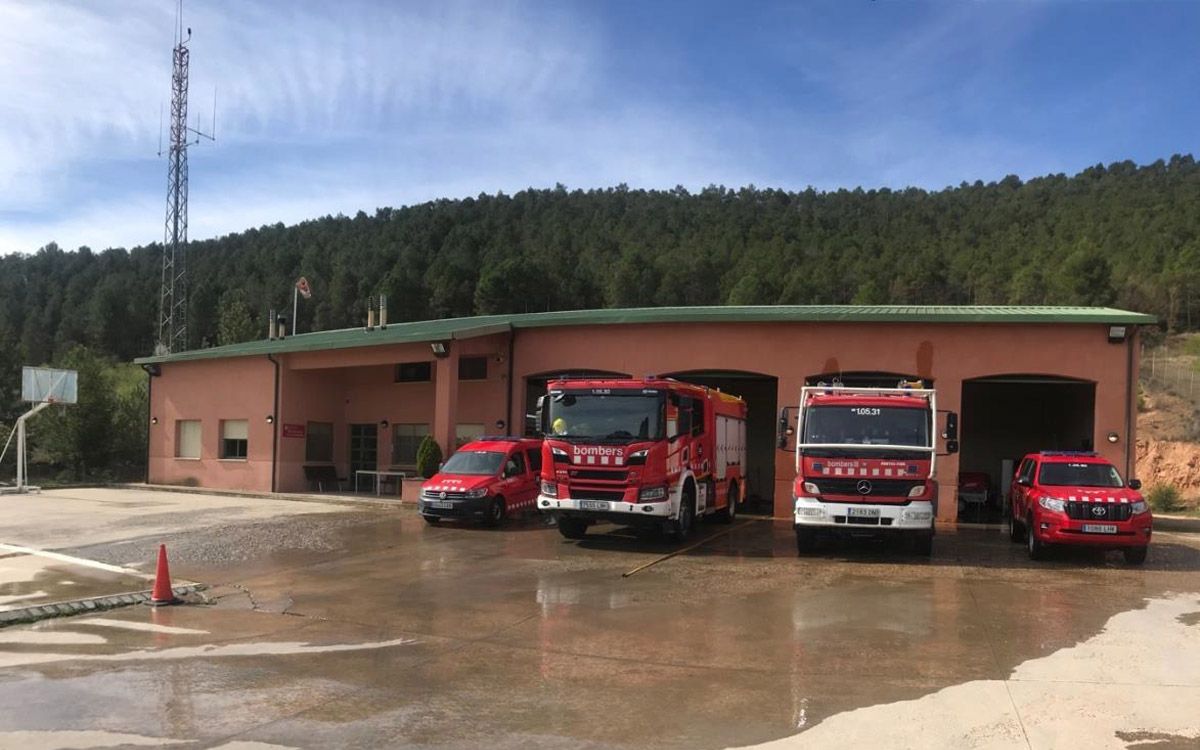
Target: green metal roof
[{"x": 483, "y": 325}]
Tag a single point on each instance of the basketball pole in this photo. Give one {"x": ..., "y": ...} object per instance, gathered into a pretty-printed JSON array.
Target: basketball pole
[{"x": 22, "y": 458}]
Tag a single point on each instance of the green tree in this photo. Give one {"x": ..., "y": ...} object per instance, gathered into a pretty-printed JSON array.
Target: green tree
[{"x": 235, "y": 323}]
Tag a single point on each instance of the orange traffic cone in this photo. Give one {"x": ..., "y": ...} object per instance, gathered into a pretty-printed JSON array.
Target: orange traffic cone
[{"x": 162, "y": 593}]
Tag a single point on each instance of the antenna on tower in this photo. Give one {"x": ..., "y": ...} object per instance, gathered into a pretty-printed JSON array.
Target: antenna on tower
[{"x": 172, "y": 309}]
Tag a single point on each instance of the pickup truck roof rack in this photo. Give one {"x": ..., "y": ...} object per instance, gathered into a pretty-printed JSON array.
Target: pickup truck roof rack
[{"x": 1085, "y": 454}]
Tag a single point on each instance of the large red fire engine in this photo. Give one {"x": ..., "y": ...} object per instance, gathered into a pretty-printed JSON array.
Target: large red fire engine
[
  {"x": 653, "y": 453},
  {"x": 866, "y": 462}
]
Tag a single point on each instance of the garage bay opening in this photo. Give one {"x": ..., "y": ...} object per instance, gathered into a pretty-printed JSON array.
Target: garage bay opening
[
  {"x": 761, "y": 394},
  {"x": 1005, "y": 417}
]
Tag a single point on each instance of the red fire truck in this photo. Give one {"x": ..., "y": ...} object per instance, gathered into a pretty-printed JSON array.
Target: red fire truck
[
  {"x": 866, "y": 462},
  {"x": 653, "y": 453}
]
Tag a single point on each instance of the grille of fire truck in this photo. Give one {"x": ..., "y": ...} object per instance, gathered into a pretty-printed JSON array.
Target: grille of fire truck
[
  {"x": 601, "y": 474},
  {"x": 888, "y": 487},
  {"x": 1111, "y": 511},
  {"x": 860, "y": 521},
  {"x": 578, "y": 494}
]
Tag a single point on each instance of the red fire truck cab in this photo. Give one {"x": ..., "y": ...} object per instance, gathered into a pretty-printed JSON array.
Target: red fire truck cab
[
  {"x": 653, "y": 453},
  {"x": 865, "y": 463}
]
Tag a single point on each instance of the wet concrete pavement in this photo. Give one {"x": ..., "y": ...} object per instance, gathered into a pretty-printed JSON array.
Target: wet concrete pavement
[{"x": 368, "y": 629}]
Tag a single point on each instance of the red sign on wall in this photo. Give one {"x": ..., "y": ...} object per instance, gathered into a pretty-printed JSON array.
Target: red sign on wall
[{"x": 292, "y": 430}]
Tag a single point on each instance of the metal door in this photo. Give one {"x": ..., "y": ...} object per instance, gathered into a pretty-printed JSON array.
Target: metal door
[{"x": 364, "y": 452}]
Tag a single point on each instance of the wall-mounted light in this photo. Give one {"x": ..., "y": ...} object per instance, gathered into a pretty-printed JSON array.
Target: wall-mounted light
[
  {"x": 1113, "y": 437},
  {"x": 270, "y": 419},
  {"x": 153, "y": 420},
  {"x": 499, "y": 424},
  {"x": 1116, "y": 334},
  {"x": 383, "y": 424},
  {"x": 440, "y": 349}
]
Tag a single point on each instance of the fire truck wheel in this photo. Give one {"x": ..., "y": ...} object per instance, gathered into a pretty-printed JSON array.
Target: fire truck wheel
[
  {"x": 1016, "y": 532},
  {"x": 1037, "y": 550},
  {"x": 806, "y": 540},
  {"x": 923, "y": 544},
  {"x": 729, "y": 513},
  {"x": 572, "y": 528},
  {"x": 1134, "y": 555},
  {"x": 687, "y": 516},
  {"x": 496, "y": 512}
]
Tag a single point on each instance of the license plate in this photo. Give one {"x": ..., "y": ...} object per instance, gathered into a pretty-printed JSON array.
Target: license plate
[
  {"x": 1099, "y": 528},
  {"x": 593, "y": 504},
  {"x": 863, "y": 512},
  {"x": 438, "y": 504}
]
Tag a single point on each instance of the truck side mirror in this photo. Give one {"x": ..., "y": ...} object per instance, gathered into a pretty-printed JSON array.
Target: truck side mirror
[
  {"x": 1135, "y": 484},
  {"x": 951, "y": 447},
  {"x": 782, "y": 436},
  {"x": 951, "y": 432}
]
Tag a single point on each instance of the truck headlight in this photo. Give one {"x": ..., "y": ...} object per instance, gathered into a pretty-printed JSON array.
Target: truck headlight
[
  {"x": 917, "y": 491},
  {"x": 473, "y": 494},
  {"x": 812, "y": 488},
  {"x": 1138, "y": 506},
  {"x": 1053, "y": 504},
  {"x": 550, "y": 489},
  {"x": 652, "y": 494}
]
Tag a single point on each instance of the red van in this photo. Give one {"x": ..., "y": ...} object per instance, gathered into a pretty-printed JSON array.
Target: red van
[
  {"x": 1078, "y": 498},
  {"x": 485, "y": 480}
]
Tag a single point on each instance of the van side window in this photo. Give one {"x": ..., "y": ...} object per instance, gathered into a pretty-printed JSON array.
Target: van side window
[
  {"x": 1027, "y": 470},
  {"x": 515, "y": 466},
  {"x": 535, "y": 460},
  {"x": 683, "y": 425}
]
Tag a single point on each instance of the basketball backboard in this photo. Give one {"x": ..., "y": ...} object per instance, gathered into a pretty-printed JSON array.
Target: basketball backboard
[{"x": 43, "y": 384}]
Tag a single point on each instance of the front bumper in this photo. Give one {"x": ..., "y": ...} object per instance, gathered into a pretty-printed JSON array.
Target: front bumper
[
  {"x": 809, "y": 512},
  {"x": 466, "y": 508},
  {"x": 617, "y": 510},
  {"x": 1058, "y": 529}
]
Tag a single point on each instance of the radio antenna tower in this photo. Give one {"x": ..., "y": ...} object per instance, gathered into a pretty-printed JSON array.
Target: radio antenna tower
[{"x": 172, "y": 307}]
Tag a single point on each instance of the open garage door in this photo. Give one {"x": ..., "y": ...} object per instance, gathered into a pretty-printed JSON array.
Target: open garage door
[
  {"x": 535, "y": 386},
  {"x": 760, "y": 392},
  {"x": 1003, "y": 418}
]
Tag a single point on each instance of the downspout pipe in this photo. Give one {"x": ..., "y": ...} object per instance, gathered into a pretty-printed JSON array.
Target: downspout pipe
[
  {"x": 152, "y": 371},
  {"x": 512, "y": 334},
  {"x": 1130, "y": 394},
  {"x": 275, "y": 426}
]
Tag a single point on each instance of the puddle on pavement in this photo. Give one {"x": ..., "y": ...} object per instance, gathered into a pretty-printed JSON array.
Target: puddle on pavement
[
  {"x": 31, "y": 580},
  {"x": 1087, "y": 695}
]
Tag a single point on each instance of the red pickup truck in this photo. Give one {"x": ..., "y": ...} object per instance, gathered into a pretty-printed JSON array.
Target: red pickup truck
[
  {"x": 1078, "y": 498},
  {"x": 485, "y": 480}
]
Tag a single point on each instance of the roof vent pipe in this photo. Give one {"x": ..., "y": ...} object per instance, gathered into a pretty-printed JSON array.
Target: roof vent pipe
[
  {"x": 370, "y": 313},
  {"x": 383, "y": 311},
  {"x": 281, "y": 327},
  {"x": 271, "y": 325}
]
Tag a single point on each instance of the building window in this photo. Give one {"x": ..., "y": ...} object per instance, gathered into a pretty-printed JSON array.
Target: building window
[
  {"x": 234, "y": 438},
  {"x": 414, "y": 372},
  {"x": 318, "y": 445},
  {"x": 405, "y": 440},
  {"x": 187, "y": 438},
  {"x": 472, "y": 368},
  {"x": 465, "y": 433}
]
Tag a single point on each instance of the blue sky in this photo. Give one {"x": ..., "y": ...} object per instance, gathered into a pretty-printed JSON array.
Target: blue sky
[{"x": 336, "y": 107}]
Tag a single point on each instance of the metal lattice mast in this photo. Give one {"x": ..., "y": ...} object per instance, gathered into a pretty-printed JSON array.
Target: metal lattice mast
[{"x": 172, "y": 318}]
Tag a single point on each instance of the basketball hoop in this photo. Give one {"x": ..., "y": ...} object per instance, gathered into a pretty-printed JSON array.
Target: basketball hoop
[{"x": 41, "y": 386}]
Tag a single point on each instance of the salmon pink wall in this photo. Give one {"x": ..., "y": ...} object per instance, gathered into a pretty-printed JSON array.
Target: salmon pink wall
[{"x": 210, "y": 391}]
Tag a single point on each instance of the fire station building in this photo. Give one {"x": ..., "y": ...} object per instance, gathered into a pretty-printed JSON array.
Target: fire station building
[{"x": 275, "y": 414}]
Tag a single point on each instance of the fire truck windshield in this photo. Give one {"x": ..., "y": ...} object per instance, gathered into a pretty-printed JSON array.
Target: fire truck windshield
[
  {"x": 616, "y": 415},
  {"x": 867, "y": 425}
]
